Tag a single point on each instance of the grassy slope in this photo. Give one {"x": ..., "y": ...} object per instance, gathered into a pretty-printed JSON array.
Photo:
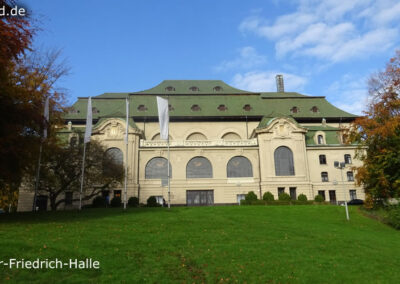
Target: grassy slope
[{"x": 248, "y": 243}]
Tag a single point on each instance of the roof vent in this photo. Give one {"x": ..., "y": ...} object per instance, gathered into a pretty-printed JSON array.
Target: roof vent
[{"x": 280, "y": 87}]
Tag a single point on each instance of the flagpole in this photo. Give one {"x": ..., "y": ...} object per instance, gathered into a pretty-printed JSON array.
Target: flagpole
[
  {"x": 126, "y": 153},
  {"x": 83, "y": 173},
  {"x": 37, "y": 176},
  {"x": 169, "y": 185}
]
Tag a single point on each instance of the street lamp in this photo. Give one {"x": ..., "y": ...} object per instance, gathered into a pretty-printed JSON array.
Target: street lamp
[{"x": 341, "y": 166}]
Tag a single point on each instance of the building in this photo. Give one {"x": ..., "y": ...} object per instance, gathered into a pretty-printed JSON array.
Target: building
[{"x": 224, "y": 142}]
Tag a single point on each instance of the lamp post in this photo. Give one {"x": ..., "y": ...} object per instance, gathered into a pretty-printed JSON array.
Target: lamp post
[{"x": 341, "y": 166}]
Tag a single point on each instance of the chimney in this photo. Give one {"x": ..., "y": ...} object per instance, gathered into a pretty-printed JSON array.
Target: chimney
[{"x": 279, "y": 84}]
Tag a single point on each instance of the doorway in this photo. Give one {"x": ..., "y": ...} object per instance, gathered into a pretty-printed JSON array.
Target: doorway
[{"x": 199, "y": 197}]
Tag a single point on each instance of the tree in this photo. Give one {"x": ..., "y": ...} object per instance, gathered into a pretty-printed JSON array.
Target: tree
[
  {"x": 377, "y": 134},
  {"x": 61, "y": 171}
]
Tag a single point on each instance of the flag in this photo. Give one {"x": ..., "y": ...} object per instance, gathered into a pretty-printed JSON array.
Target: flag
[
  {"x": 127, "y": 121},
  {"x": 46, "y": 117},
  {"x": 88, "y": 131},
  {"x": 163, "y": 118}
]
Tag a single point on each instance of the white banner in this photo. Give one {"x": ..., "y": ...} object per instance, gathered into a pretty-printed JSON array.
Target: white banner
[
  {"x": 46, "y": 117},
  {"x": 163, "y": 117},
  {"x": 88, "y": 131},
  {"x": 127, "y": 121}
]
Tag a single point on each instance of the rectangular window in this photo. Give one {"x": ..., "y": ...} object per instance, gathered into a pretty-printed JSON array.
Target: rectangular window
[
  {"x": 322, "y": 159},
  {"x": 199, "y": 197},
  {"x": 68, "y": 198},
  {"x": 350, "y": 176},
  {"x": 324, "y": 177},
  {"x": 281, "y": 190},
  {"x": 347, "y": 159},
  {"x": 240, "y": 197},
  {"x": 353, "y": 194},
  {"x": 293, "y": 194},
  {"x": 322, "y": 193}
]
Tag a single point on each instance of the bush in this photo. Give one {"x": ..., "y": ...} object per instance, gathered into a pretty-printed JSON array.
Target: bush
[
  {"x": 393, "y": 217},
  {"x": 99, "y": 202},
  {"x": 284, "y": 197},
  {"x": 152, "y": 202},
  {"x": 133, "y": 202},
  {"x": 116, "y": 201},
  {"x": 268, "y": 196},
  {"x": 302, "y": 197},
  {"x": 319, "y": 198},
  {"x": 251, "y": 196}
]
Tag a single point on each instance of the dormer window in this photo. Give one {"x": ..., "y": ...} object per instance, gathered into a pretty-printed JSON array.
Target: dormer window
[
  {"x": 142, "y": 108},
  {"x": 314, "y": 109},
  {"x": 247, "y": 107},
  {"x": 72, "y": 110},
  {"x": 195, "y": 108},
  {"x": 170, "y": 89},
  {"x": 218, "y": 89},
  {"x": 170, "y": 108},
  {"x": 320, "y": 139},
  {"x": 194, "y": 89},
  {"x": 222, "y": 108},
  {"x": 294, "y": 109},
  {"x": 95, "y": 110}
]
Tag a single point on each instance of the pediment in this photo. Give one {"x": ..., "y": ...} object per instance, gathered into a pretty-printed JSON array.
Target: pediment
[{"x": 282, "y": 127}]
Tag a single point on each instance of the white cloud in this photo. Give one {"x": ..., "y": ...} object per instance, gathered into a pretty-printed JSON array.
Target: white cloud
[
  {"x": 247, "y": 58},
  {"x": 264, "y": 81},
  {"x": 331, "y": 30}
]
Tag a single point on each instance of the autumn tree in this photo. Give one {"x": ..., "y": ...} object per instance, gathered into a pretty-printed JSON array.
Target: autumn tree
[
  {"x": 61, "y": 171},
  {"x": 378, "y": 135}
]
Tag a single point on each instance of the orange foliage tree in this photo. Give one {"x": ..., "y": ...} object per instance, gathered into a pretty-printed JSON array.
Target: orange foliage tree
[{"x": 378, "y": 135}]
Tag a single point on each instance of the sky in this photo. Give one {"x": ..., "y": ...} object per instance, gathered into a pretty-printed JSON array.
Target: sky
[{"x": 323, "y": 48}]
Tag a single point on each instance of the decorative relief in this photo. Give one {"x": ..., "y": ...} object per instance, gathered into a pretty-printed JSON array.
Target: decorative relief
[
  {"x": 205, "y": 143},
  {"x": 114, "y": 130}
]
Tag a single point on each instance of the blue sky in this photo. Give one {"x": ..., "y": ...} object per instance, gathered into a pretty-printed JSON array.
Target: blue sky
[{"x": 325, "y": 48}]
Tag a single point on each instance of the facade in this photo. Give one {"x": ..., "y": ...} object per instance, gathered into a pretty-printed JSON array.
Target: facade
[{"x": 224, "y": 142}]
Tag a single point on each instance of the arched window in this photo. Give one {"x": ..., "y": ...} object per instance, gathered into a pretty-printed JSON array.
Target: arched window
[
  {"x": 294, "y": 109},
  {"x": 157, "y": 168},
  {"x": 239, "y": 166},
  {"x": 247, "y": 107},
  {"x": 314, "y": 109},
  {"x": 199, "y": 167},
  {"x": 231, "y": 136},
  {"x": 218, "y": 89},
  {"x": 284, "y": 165},
  {"x": 196, "y": 136},
  {"x": 194, "y": 89},
  {"x": 320, "y": 139},
  {"x": 195, "y": 108},
  {"x": 157, "y": 137},
  {"x": 116, "y": 155},
  {"x": 222, "y": 108},
  {"x": 170, "y": 89}
]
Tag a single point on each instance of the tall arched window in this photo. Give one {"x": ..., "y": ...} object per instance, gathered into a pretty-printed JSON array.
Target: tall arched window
[
  {"x": 239, "y": 166},
  {"x": 157, "y": 168},
  {"x": 199, "y": 167},
  {"x": 284, "y": 165},
  {"x": 116, "y": 155}
]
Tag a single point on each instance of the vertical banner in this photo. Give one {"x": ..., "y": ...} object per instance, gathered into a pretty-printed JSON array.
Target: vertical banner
[
  {"x": 89, "y": 121},
  {"x": 127, "y": 121},
  {"x": 46, "y": 117},
  {"x": 163, "y": 117},
  {"x": 126, "y": 153}
]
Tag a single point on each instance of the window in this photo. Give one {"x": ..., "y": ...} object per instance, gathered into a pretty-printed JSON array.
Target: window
[
  {"x": 199, "y": 167},
  {"x": 170, "y": 89},
  {"x": 353, "y": 194},
  {"x": 72, "y": 110},
  {"x": 350, "y": 176},
  {"x": 73, "y": 142},
  {"x": 160, "y": 200},
  {"x": 320, "y": 139},
  {"x": 284, "y": 165},
  {"x": 68, "y": 198},
  {"x": 171, "y": 108},
  {"x": 157, "y": 168},
  {"x": 231, "y": 136},
  {"x": 222, "y": 108},
  {"x": 157, "y": 137},
  {"x": 95, "y": 110},
  {"x": 194, "y": 89},
  {"x": 239, "y": 167},
  {"x": 294, "y": 110},
  {"x": 314, "y": 109},
  {"x": 218, "y": 88},
  {"x": 196, "y": 136},
  {"x": 324, "y": 177},
  {"x": 142, "y": 108},
  {"x": 115, "y": 155},
  {"x": 347, "y": 159},
  {"x": 322, "y": 159},
  {"x": 117, "y": 193},
  {"x": 247, "y": 107},
  {"x": 322, "y": 193},
  {"x": 281, "y": 190},
  {"x": 332, "y": 196},
  {"x": 293, "y": 194},
  {"x": 240, "y": 197},
  {"x": 195, "y": 108},
  {"x": 199, "y": 197}
]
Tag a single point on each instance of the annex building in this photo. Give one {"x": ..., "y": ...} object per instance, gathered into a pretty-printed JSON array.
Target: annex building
[{"x": 224, "y": 142}]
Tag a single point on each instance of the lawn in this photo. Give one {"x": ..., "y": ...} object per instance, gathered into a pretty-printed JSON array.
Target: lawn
[{"x": 254, "y": 244}]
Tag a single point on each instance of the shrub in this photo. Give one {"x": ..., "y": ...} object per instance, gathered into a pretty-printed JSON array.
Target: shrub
[
  {"x": 99, "y": 201},
  {"x": 116, "y": 201},
  {"x": 284, "y": 197},
  {"x": 251, "y": 196},
  {"x": 369, "y": 202},
  {"x": 393, "y": 217},
  {"x": 244, "y": 202},
  {"x": 258, "y": 202},
  {"x": 268, "y": 196},
  {"x": 133, "y": 202},
  {"x": 319, "y": 198},
  {"x": 302, "y": 197},
  {"x": 152, "y": 202}
]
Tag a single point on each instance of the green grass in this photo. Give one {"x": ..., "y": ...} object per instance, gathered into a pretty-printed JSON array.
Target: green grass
[{"x": 253, "y": 244}]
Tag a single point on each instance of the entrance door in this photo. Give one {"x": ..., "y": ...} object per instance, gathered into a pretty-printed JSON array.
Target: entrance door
[
  {"x": 199, "y": 197},
  {"x": 332, "y": 196},
  {"x": 41, "y": 202}
]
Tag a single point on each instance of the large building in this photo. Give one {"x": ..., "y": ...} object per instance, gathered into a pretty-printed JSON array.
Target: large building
[{"x": 224, "y": 142}]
